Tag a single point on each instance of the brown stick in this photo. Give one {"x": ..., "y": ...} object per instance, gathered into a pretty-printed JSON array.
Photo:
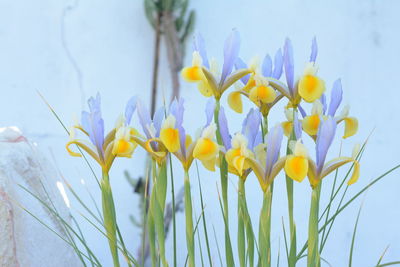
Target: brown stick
[{"x": 155, "y": 64}]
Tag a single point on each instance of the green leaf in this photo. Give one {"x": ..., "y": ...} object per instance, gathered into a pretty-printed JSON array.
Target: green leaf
[{"x": 354, "y": 237}]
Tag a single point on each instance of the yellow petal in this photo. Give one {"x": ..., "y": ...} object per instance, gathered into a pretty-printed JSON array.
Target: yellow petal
[
  {"x": 296, "y": 167},
  {"x": 287, "y": 127},
  {"x": 265, "y": 94},
  {"x": 238, "y": 163},
  {"x": 311, "y": 87},
  {"x": 188, "y": 141},
  {"x": 204, "y": 88},
  {"x": 235, "y": 101},
  {"x": 231, "y": 154},
  {"x": 123, "y": 148},
  {"x": 205, "y": 149},
  {"x": 210, "y": 164},
  {"x": 170, "y": 139},
  {"x": 249, "y": 85},
  {"x": 311, "y": 124},
  {"x": 356, "y": 173},
  {"x": 192, "y": 74},
  {"x": 350, "y": 126}
]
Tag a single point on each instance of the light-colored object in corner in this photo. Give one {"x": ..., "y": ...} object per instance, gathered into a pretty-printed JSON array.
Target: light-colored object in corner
[{"x": 24, "y": 241}]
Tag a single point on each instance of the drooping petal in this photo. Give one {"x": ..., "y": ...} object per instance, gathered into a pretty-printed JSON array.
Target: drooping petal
[
  {"x": 209, "y": 164},
  {"x": 311, "y": 87},
  {"x": 351, "y": 126},
  {"x": 235, "y": 101},
  {"x": 192, "y": 74},
  {"x": 223, "y": 129},
  {"x": 122, "y": 147},
  {"x": 199, "y": 45},
  {"x": 130, "y": 109},
  {"x": 325, "y": 137},
  {"x": 205, "y": 149},
  {"x": 266, "y": 68},
  {"x": 296, "y": 167},
  {"x": 356, "y": 174},
  {"x": 288, "y": 64},
  {"x": 231, "y": 52},
  {"x": 263, "y": 93},
  {"x": 170, "y": 139},
  {"x": 239, "y": 64},
  {"x": 274, "y": 140},
  {"x": 311, "y": 124},
  {"x": 336, "y": 97},
  {"x": 314, "y": 50}
]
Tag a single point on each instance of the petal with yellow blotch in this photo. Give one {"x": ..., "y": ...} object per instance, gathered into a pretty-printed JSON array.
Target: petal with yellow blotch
[
  {"x": 296, "y": 167},
  {"x": 311, "y": 87},
  {"x": 170, "y": 139},
  {"x": 192, "y": 74},
  {"x": 350, "y": 126},
  {"x": 205, "y": 149},
  {"x": 310, "y": 124},
  {"x": 235, "y": 101}
]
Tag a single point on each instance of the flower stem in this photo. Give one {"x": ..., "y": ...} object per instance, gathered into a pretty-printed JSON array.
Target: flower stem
[
  {"x": 289, "y": 190},
  {"x": 224, "y": 188},
  {"x": 313, "y": 257},
  {"x": 189, "y": 220},
  {"x": 241, "y": 226},
  {"x": 265, "y": 230},
  {"x": 109, "y": 216}
]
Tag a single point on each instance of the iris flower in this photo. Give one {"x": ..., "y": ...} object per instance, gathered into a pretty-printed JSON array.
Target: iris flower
[
  {"x": 266, "y": 165},
  {"x": 256, "y": 86},
  {"x": 209, "y": 79},
  {"x": 117, "y": 143},
  {"x": 320, "y": 112},
  {"x": 174, "y": 139},
  {"x": 309, "y": 87},
  {"x": 299, "y": 164},
  {"x": 240, "y": 147}
]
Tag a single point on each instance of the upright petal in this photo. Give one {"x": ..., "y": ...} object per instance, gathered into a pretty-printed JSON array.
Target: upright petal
[
  {"x": 199, "y": 45},
  {"x": 288, "y": 64},
  {"x": 325, "y": 137},
  {"x": 144, "y": 118},
  {"x": 336, "y": 97},
  {"x": 322, "y": 99},
  {"x": 177, "y": 109},
  {"x": 210, "y": 108},
  {"x": 314, "y": 50},
  {"x": 158, "y": 118},
  {"x": 239, "y": 64},
  {"x": 297, "y": 126},
  {"x": 130, "y": 109},
  {"x": 251, "y": 127},
  {"x": 266, "y": 67},
  {"x": 274, "y": 141},
  {"x": 93, "y": 123},
  {"x": 231, "y": 52},
  {"x": 223, "y": 129},
  {"x": 278, "y": 65}
]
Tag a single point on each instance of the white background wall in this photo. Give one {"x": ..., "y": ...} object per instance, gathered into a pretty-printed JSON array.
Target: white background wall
[{"x": 111, "y": 46}]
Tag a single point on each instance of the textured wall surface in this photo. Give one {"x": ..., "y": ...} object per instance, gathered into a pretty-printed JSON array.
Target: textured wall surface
[{"x": 69, "y": 50}]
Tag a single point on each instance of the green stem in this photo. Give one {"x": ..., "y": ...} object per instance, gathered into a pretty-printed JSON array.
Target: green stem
[
  {"x": 224, "y": 188},
  {"x": 189, "y": 220},
  {"x": 241, "y": 227},
  {"x": 313, "y": 257},
  {"x": 158, "y": 207},
  {"x": 109, "y": 216},
  {"x": 289, "y": 191},
  {"x": 173, "y": 210},
  {"x": 265, "y": 230}
]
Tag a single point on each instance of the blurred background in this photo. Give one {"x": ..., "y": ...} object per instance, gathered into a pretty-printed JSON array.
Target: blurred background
[{"x": 70, "y": 50}]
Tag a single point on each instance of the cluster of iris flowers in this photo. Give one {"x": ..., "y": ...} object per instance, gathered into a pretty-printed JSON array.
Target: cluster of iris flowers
[{"x": 254, "y": 149}]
